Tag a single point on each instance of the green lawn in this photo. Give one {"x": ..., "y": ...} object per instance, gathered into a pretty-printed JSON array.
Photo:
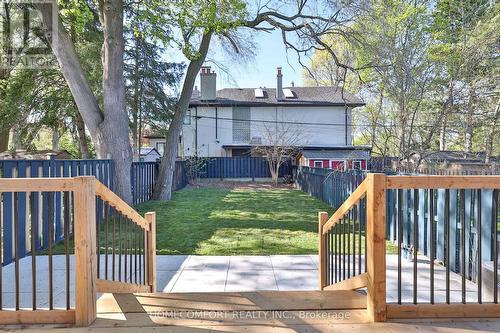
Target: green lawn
[
  {"x": 242, "y": 221},
  {"x": 211, "y": 221}
]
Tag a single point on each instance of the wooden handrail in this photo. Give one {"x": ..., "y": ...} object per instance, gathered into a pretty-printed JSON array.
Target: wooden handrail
[
  {"x": 117, "y": 203},
  {"x": 37, "y": 184},
  {"x": 443, "y": 182},
  {"x": 358, "y": 194}
]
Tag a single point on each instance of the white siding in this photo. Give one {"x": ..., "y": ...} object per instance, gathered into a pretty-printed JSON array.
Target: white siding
[{"x": 211, "y": 145}]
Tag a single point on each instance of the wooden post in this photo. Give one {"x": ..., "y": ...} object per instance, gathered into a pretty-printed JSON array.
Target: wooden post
[
  {"x": 375, "y": 247},
  {"x": 85, "y": 251},
  {"x": 322, "y": 255},
  {"x": 151, "y": 250}
]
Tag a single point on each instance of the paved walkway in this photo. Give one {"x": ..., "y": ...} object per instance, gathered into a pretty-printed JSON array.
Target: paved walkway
[{"x": 236, "y": 273}]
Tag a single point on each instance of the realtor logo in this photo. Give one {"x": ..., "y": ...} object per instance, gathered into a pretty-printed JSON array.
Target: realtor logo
[{"x": 26, "y": 36}]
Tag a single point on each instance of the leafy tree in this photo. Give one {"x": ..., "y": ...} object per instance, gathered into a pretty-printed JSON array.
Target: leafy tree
[{"x": 194, "y": 25}]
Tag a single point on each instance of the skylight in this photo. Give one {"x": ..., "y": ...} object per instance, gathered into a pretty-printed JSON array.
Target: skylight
[
  {"x": 259, "y": 93},
  {"x": 288, "y": 93}
]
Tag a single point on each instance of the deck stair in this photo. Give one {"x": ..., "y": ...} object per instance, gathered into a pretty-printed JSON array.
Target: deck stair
[{"x": 209, "y": 310}]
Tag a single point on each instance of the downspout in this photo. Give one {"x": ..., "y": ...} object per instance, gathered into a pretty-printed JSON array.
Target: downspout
[
  {"x": 216, "y": 123},
  {"x": 346, "y": 117},
  {"x": 196, "y": 131}
]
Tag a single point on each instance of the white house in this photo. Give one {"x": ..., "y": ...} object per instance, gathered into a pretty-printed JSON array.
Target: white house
[{"x": 229, "y": 122}]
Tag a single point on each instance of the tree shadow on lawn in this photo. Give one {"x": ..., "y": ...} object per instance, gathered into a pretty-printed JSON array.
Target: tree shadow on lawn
[{"x": 240, "y": 221}]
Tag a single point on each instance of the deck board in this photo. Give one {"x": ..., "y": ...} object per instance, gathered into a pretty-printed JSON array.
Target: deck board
[{"x": 232, "y": 301}]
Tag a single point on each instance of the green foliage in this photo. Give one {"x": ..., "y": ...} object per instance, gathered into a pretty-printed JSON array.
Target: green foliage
[
  {"x": 429, "y": 73},
  {"x": 180, "y": 23}
]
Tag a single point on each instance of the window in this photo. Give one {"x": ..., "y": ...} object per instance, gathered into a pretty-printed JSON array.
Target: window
[
  {"x": 356, "y": 165},
  {"x": 241, "y": 124},
  {"x": 160, "y": 147},
  {"x": 187, "y": 118},
  {"x": 318, "y": 164}
]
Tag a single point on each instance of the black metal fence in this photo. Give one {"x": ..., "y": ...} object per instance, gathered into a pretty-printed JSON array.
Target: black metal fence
[
  {"x": 330, "y": 186},
  {"x": 240, "y": 167}
]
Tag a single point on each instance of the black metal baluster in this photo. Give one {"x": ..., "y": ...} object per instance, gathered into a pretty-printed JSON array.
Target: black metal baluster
[
  {"x": 335, "y": 250},
  {"x": 50, "y": 238},
  {"x": 106, "y": 220},
  {"x": 479, "y": 249},
  {"x": 328, "y": 255},
  {"x": 33, "y": 250},
  {"x": 16, "y": 250},
  {"x": 348, "y": 235},
  {"x": 364, "y": 226},
  {"x": 66, "y": 246},
  {"x": 415, "y": 244},
  {"x": 98, "y": 227},
  {"x": 360, "y": 222},
  {"x": 140, "y": 255},
  {"x": 131, "y": 234},
  {"x": 1, "y": 250},
  {"x": 119, "y": 246},
  {"x": 354, "y": 215},
  {"x": 144, "y": 255},
  {"x": 494, "y": 216},
  {"x": 343, "y": 247},
  {"x": 400, "y": 240},
  {"x": 125, "y": 234},
  {"x": 135, "y": 252},
  {"x": 462, "y": 237},
  {"x": 432, "y": 241},
  {"x": 113, "y": 243},
  {"x": 447, "y": 241}
]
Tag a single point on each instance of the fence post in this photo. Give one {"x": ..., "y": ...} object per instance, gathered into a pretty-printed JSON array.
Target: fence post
[
  {"x": 375, "y": 247},
  {"x": 322, "y": 249},
  {"x": 151, "y": 250},
  {"x": 85, "y": 250}
]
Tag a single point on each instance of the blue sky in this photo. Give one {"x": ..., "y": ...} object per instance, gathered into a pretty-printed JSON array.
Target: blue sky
[
  {"x": 259, "y": 71},
  {"x": 262, "y": 70}
]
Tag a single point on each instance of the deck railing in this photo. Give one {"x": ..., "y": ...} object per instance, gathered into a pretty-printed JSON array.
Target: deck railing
[
  {"x": 445, "y": 231},
  {"x": 114, "y": 249}
]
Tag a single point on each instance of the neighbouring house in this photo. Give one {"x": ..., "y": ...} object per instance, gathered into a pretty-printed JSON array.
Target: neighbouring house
[
  {"x": 229, "y": 122},
  {"x": 449, "y": 160},
  {"x": 36, "y": 155},
  {"x": 337, "y": 158},
  {"x": 149, "y": 154}
]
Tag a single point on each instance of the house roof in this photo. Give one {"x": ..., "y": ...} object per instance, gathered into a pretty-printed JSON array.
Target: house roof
[
  {"x": 336, "y": 154},
  {"x": 36, "y": 155},
  {"x": 302, "y": 96},
  {"x": 148, "y": 150}
]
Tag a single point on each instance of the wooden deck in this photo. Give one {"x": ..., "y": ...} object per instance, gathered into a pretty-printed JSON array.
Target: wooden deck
[
  {"x": 280, "y": 309},
  {"x": 259, "y": 312}
]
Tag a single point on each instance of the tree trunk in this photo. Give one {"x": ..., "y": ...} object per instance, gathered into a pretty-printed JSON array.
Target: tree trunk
[
  {"x": 55, "y": 139},
  {"x": 110, "y": 131},
  {"x": 114, "y": 130},
  {"x": 163, "y": 188},
  {"x": 4, "y": 139},
  {"x": 82, "y": 137}
]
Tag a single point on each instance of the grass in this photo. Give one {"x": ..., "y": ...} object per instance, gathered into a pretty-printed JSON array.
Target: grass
[
  {"x": 212, "y": 221},
  {"x": 242, "y": 221}
]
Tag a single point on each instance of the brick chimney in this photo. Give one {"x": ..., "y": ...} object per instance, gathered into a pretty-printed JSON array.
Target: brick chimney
[
  {"x": 208, "y": 86},
  {"x": 279, "y": 85}
]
